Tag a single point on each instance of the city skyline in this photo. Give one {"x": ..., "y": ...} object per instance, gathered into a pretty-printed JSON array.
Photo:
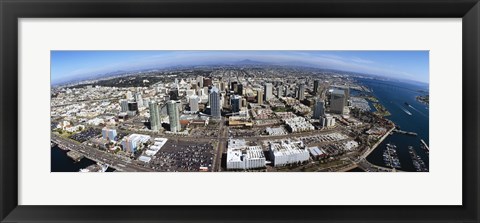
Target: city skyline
[{"x": 80, "y": 65}]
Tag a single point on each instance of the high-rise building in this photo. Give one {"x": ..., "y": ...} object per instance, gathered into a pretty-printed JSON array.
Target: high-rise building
[
  {"x": 207, "y": 82},
  {"x": 173, "y": 94},
  {"x": 347, "y": 95},
  {"x": 155, "y": 123},
  {"x": 123, "y": 105},
  {"x": 319, "y": 108},
  {"x": 268, "y": 91},
  {"x": 279, "y": 91},
  {"x": 132, "y": 106},
  {"x": 138, "y": 99},
  {"x": 109, "y": 134},
  {"x": 128, "y": 95},
  {"x": 200, "y": 81},
  {"x": 301, "y": 92},
  {"x": 337, "y": 101},
  {"x": 259, "y": 97},
  {"x": 173, "y": 116},
  {"x": 316, "y": 83},
  {"x": 328, "y": 121},
  {"x": 233, "y": 86},
  {"x": 214, "y": 102},
  {"x": 194, "y": 100},
  {"x": 223, "y": 86},
  {"x": 236, "y": 103},
  {"x": 240, "y": 89}
]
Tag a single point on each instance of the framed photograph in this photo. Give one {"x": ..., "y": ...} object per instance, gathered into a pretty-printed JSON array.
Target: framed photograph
[{"x": 223, "y": 111}]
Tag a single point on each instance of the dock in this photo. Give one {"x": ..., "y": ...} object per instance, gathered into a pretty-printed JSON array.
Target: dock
[
  {"x": 425, "y": 144},
  {"x": 405, "y": 132},
  {"x": 76, "y": 156}
]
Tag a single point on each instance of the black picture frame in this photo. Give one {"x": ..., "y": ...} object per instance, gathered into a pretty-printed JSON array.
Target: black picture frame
[{"x": 11, "y": 11}]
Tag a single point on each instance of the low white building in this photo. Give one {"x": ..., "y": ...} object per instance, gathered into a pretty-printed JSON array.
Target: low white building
[
  {"x": 240, "y": 156},
  {"x": 298, "y": 124},
  {"x": 288, "y": 153}
]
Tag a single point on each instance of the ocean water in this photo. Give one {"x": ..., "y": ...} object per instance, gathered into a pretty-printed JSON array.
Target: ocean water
[
  {"x": 60, "y": 162},
  {"x": 393, "y": 95}
]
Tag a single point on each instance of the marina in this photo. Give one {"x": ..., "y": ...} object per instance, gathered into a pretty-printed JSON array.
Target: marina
[
  {"x": 390, "y": 157},
  {"x": 417, "y": 161}
]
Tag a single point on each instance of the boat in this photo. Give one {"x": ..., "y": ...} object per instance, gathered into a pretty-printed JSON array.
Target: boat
[
  {"x": 406, "y": 111},
  {"x": 417, "y": 160},
  {"x": 390, "y": 156}
]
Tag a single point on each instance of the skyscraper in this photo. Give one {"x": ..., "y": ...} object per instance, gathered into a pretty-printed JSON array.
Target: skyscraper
[
  {"x": 128, "y": 95},
  {"x": 268, "y": 91},
  {"x": 108, "y": 133},
  {"x": 259, "y": 97},
  {"x": 240, "y": 89},
  {"x": 155, "y": 123},
  {"x": 173, "y": 116},
  {"x": 207, "y": 82},
  {"x": 138, "y": 99},
  {"x": 173, "y": 94},
  {"x": 200, "y": 81},
  {"x": 315, "y": 86},
  {"x": 123, "y": 105},
  {"x": 236, "y": 103},
  {"x": 301, "y": 92},
  {"x": 319, "y": 108},
  {"x": 337, "y": 101},
  {"x": 194, "y": 100},
  {"x": 214, "y": 101}
]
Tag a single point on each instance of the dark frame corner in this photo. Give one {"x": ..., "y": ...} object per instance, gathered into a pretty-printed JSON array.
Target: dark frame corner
[{"x": 11, "y": 11}]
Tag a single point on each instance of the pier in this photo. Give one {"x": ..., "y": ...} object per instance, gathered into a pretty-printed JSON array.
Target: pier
[
  {"x": 370, "y": 150},
  {"x": 425, "y": 144},
  {"x": 405, "y": 132},
  {"x": 75, "y": 155}
]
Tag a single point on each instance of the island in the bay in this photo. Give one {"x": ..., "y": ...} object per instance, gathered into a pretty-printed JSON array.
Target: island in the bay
[{"x": 253, "y": 111}]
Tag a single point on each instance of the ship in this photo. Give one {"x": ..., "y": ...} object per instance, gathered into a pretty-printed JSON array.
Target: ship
[{"x": 406, "y": 111}]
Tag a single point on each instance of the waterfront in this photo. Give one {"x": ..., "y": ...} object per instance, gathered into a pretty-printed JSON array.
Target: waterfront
[
  {"x": 62, "y": 163},
  {"x": 394, "y": 95}
]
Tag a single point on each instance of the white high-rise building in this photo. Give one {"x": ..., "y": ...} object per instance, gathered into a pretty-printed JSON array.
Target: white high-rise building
[
  {"x": 173, "y": 116},
  {"x": 200, "y": 81},
  {"x": 214, "y": 102},
  {"x": 109, "y": 134},
  {"x": 128, "y": 95},
  {"x": 194, "y": 100},
  {"x": 328, "y": 121},
  {"x": 138, "y": 99},
  {"x": 268, "y": 91},
  {"x": 123, "y": 105}
]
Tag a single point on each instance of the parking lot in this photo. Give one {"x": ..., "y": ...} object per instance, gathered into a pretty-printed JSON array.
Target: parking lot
[
  {"x": 86, "y": 134},
  {"x": 183, "y": 156}
]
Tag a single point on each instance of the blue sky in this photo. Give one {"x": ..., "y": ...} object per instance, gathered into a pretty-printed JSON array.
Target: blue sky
[{"x": 411, "y": 65}]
